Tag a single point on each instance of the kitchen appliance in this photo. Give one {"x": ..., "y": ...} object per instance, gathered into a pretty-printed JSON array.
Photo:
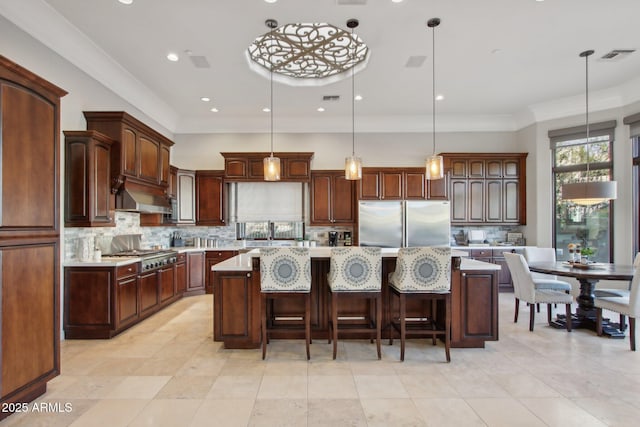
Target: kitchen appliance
[
  {"x": 347, "y": 238},
  {"x": 128, "y": 246},
  {"x": 477, "y": 238},
  {"x": 395, "y": 224},
  {"x": 333, "y": 238}
]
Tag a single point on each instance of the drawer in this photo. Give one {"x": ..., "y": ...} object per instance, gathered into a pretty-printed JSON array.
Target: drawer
[
  {"x": 126, "y": 270},
  {"x": 481, "y": 253},
  {"x": 221, "y": 255},
  {"x": 181, "y": 257}
]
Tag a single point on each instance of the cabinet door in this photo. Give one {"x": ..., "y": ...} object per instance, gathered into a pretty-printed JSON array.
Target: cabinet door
[
  {"x": 476, "y": 169},
  {"x": 494, "y": 168},
  {"x": 504, "y": 275},
  {"x": 172, "y": 191},
  {"x": 236, "y": 310},
  {"x": 164, "y": 164},
  {"x": 186, "y": 197},
  {"x": 129, "y": 152},
  {"x": 148, "y": 286},
  {"x": 438, "y": 189},
  {"x": 415, "y": 185},
  {"x": 511, "y": 168},
  {"x": 181, "y": 277},
  {"x": 370, "y": 186},
  {"x": 476, "y": 201},
  {"x": 511, "y": 201},
  {"x": 494, "y": 200},
  {"x": 479, "y": 299},
  {"x": 210, "y": 198},
  {"x": 321, "y": 198},
  {"x": 167, "y": 284},
  {"x": 127, "y": 300},
  {"x": 459, "y": 200},
  {"x": 256, "y": 169},
  {"x": 296, "y": 169},
  {"x": 391, "y": 185},
  {"x": 149, "y": 158},
  {"x": 236, "y": 168},
  {"x": 195, "y": 264},
  {"x": 458, "y": 168},
  {"x": 342, "y": 200}
]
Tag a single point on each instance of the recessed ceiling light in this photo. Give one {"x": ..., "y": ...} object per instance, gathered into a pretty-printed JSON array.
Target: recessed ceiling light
[
  {"x": 266, "y": 109},
  {"x": 214, "y": 110},
  {"x": 358, "y": 98},
  {"x": 270, "y": 1},
  {"x": 397, "y": 1},
  {"x": 439, "y": 97},
  {"x": 173, "y": 57},
  {"x": 320, "y": 109},
  {"x": 205, "y": 99},
  {"x": 127, "y": 2}
]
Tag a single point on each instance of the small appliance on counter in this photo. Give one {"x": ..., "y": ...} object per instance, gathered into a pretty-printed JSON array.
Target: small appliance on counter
[
  {"x": 333, "y": 238},
  {"x": 347, "y": 238}
]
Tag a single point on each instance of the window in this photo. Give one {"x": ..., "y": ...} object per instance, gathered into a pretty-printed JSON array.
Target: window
[
  {"x": 634, "y": 131},
  {"x": 575, "y": 159}
]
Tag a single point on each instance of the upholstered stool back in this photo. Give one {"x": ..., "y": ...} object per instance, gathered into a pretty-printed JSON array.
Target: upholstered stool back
[
  {"x": 355, "y": 269},
  {"x": 285, "y": 270},
  {"x": 424, "y": 269}
]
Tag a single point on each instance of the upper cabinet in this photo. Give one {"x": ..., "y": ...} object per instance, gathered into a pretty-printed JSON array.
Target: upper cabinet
[
  {"x": 210, "y": 198},
  {"x": 400, "y": 184},
  {"x": 294, "y": 167},
  {"x": 140, "y": 153},
  {"x": 487, "y": 188},
  {"x": 332, "y": 198},
  {"x": 186, "y": 196},
  {"x": 87, "y": 195}
]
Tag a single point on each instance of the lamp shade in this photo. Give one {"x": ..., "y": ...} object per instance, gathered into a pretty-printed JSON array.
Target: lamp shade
[
  {"x": 353, "y": 168},
  {"x": 271, "y": 168},
  {"x": 434, "y": 167},
  {"x": 590, "y": 192}
]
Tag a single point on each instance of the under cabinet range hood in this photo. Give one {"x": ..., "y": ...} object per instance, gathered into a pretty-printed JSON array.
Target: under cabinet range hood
[{"x": 138, "y": 201}]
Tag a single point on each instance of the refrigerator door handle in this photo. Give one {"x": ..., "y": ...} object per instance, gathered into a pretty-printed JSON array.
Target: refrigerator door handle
[{"x": 405, "y": 239}]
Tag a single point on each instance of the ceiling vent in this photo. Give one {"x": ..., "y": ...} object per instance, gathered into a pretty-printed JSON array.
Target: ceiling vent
[
  {"x": 199, "y": 61},
  {"x": 617, "y": 54},
  {"x": 351, "y": 2},
  {"x": 331, "y": 98},
  {"x": 415, "y": 61}
]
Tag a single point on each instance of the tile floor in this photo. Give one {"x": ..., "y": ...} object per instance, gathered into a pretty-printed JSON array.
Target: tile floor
[{"x": 167, "y": 371}]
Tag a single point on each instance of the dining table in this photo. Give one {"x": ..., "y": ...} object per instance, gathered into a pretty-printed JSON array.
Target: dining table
[{"x": 588, "y": 275}]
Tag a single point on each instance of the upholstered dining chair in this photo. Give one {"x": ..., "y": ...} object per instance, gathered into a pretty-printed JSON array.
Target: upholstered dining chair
[
  {"x": 617, "y": 292},
  {"x": 524, "y": 289},
  {"x": 623, "y": 305},
  {"x": 355, "y": 273},
  {"x": 422, "y": 273},
  {"x": 545, "y": 281},
  {"x": 285, "y": 273}
]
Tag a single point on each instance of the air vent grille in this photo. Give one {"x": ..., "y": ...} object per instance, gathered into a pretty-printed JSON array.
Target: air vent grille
[
  {"x": 331, "y": 98},
  {"x": 415, "y": 61},
  {"x": 351, "y": 2},
  {"x": 199, "y": 61},
  {"x": 617, "y": 54}
]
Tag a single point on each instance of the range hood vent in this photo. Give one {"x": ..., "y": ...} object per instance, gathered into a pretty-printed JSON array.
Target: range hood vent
[{"x": 137, "y": 201}]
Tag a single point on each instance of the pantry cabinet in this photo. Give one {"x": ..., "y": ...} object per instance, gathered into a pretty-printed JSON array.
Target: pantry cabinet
[
  {"x": 210, "y": 198},
  {"x": 487, "y": 188},
  {"x": 332, "y": 198}
]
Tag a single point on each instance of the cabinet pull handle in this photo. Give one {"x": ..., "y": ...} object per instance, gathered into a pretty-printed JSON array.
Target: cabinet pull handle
[{"x": 248, "y": 274}]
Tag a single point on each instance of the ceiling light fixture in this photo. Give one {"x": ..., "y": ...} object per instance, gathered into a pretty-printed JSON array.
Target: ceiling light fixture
[
  {"x": 214, "y": 110},
  {"x": 589, "y": 193},
  {"x": 127, "y": 2},
  {"x": 205, "y": 99},
  {"x": 271, "y": 164},
  {"x": 173, "y": 57},
  {"x": 353, "y": 164},
  {"x": 434, "y": 164}
]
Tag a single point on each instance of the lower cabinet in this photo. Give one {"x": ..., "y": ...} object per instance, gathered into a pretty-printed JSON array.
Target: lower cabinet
[
  {"x": 236, "y": 308},
  {"x": 212, "y": 258},
  {"x": 495, "y": 256},
  {"x": 166, "y": 279},
  {"x": 181, "y": 273},
  {"x": 474, "y": 306},
  {"x": 126, "y": 295},
  {"x": 195, "y": 273}
]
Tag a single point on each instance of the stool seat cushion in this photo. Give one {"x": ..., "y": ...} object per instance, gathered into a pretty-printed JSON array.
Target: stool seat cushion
[
  {"x": 549, "y": 283},
  {"x": 422, "y": 270},
  {"x": 285, "y": 270}
]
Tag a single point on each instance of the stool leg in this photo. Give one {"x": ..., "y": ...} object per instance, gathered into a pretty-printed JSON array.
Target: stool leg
[
  {"x": 264, "y": 325},
  {"x": 334, "y": 320},
  {"x": 330, "y": 334},
  {"x": 515, "y": 315},
  {"x": 403, "y": 324},
  {"x": 632, "y": 333},
  {"x": 447, "y": 327},
  {"x": 433, "y": 320},
  {"x": 307, "y": 322},
  {"x": 378, "y": 324},
  {"x": 390, "y": 317}
]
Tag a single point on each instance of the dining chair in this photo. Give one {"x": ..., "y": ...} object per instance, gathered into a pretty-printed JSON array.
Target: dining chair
[
  {"x": 545, "y": 281},
  {"x": 524, "y": 289},
  {"x": 617, "y": 292},
  {"x": 355, "y": 273},
  {"x": 285, "y": 272},
  {"x": 624, "y": 305},
  {"x": 422, "y": 273}
]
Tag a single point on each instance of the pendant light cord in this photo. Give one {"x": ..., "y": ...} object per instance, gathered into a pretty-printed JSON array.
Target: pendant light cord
[
  {"x": 353, "y": 100},
  {"x": 271, "y": 94},
  {"x": 433, "y": 85},
  {"x": 586, "y": 55}
]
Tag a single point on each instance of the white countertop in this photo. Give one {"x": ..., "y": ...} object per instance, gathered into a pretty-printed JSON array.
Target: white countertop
[
  {"x": 104, "y": 262},
  {"x": 242, "y": 262}
]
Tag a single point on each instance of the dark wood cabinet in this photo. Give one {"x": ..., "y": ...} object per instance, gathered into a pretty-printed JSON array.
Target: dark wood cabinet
[
  {"x": 29, "y": 233},
  {"x": 172, "y": 190},
  {"x": 474, "y": 306},
  {"x": 294, "y": 166},
  {"x": 400, "y": 184},
  {"x": 186, "y": 197},
  {"x": 126, "y": 295},
  {"x": 166, "y": 279},
  {"x": 496, "y": 256},
  {"x": 487, "y": 187},
  {"x": 181, "y": 274},
  {"x": 212, "y": 258},
  {"x": 148, "y": 289},
  {"x": 140, "y": 153},
  {"x": 195, "y": 273},
  {"x": 332, "y": 198},
  {"x": 236, "y": 308},
  {"x": 210, "y": 198},
  {"x": 88, "y": 200}
]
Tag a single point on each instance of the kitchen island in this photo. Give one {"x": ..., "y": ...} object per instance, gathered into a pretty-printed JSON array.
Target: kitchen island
[{"x": 236, "y": 298}]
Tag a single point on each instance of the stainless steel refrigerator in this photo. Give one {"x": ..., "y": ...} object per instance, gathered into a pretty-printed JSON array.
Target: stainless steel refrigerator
[{"x": 395, "y": 224}]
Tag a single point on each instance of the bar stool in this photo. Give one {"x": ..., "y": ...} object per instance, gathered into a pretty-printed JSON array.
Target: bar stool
[
  {"x": 285, "y": 273},
  {"x": 355, "y": 273},
  {"x": 422, "y": 273}
]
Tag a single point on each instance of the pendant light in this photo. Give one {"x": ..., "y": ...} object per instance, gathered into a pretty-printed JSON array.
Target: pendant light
[
  {"x": 589, "y": 193},
  {"x": 271, "y": 164},
  {"x": 353, "y": 164},
  {"x": 434, "y": 164}
]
